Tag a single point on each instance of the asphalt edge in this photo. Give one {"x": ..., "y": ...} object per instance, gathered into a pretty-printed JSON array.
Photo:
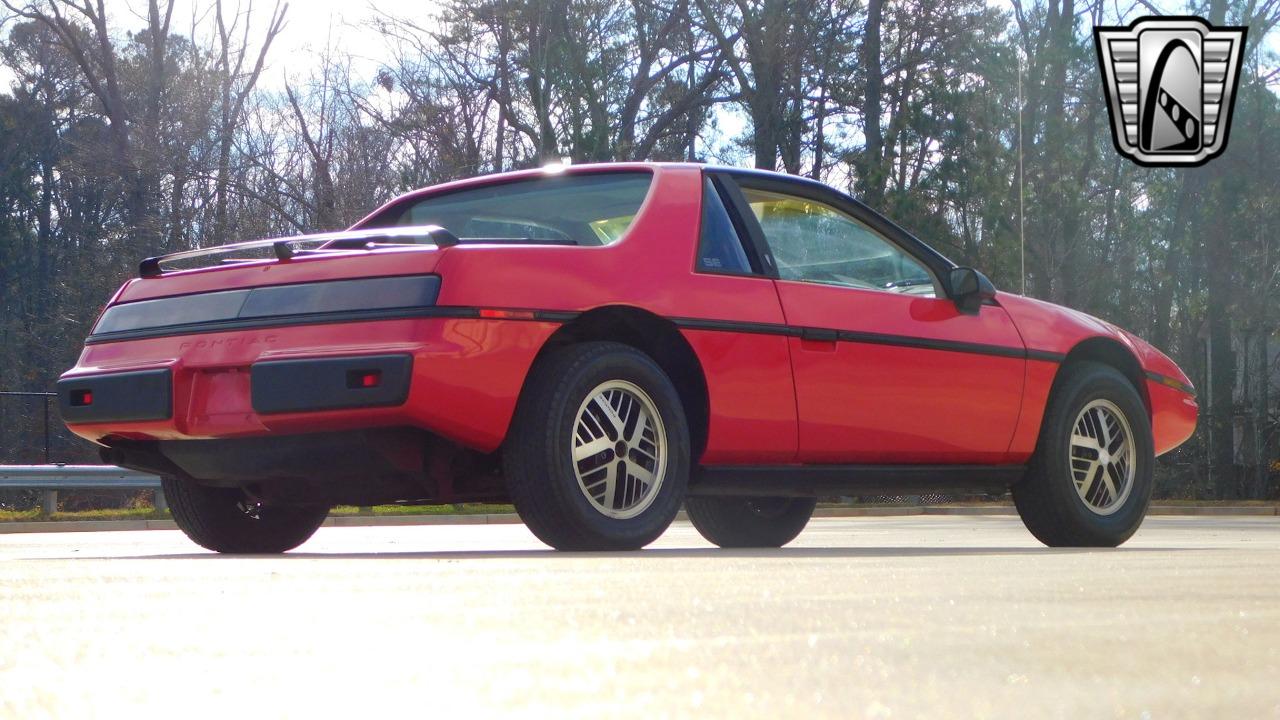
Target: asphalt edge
[{"x": 39, "y": 526}]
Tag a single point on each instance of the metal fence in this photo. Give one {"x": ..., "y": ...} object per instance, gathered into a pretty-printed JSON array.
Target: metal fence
[
  {"x": 32, "y": 432},
  {"x": 39, "y": 457}
]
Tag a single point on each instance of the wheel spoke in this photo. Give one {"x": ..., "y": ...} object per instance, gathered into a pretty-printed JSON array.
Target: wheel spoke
[
  {"x": 610, "y": 415},
  {"x": 606, "y": 485},
  {"x": 1104, "y": 474},
  {"x": 1084, "y": 475},
  {"x": 1119, "y": 445},
  {"x": 1104, "y": 430},
  {"x": 595, "y": 447},
  {"x": 1114, "y": 478},
  {"x": 1083, "y": 441},
  {"x": 1123, "y": 452},
  {"x": 640, "y": 472},
  {"x": 1090, "y": 423},
  {"x": 632, "y": 416},
  {"x": 645, "y": 453},
  {"x": 638, "y": 428}
]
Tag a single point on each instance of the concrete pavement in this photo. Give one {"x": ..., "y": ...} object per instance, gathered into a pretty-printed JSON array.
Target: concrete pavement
[{"x": 880, "y": 617}]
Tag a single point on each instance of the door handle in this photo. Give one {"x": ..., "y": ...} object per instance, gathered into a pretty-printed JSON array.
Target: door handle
[
  {"x": 819, "y": 334},
  {"x": 818, "y": 339}
]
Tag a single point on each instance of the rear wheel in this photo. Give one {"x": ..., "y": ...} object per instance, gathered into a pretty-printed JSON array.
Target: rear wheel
[
  {"x": 739, "y": 522},
  {"x": 226, "y": 520},
  {"x": 598, "y": 453},
  {"x": 1089, "y": 483}
]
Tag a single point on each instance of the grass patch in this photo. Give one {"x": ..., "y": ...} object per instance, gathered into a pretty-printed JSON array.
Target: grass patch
[{"x": 144, "y": 513}]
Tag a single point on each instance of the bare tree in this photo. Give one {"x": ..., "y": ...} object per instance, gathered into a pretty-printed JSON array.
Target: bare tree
[
  {"x": 236, "y": 84},
  {"x": 82, "y": 29}
]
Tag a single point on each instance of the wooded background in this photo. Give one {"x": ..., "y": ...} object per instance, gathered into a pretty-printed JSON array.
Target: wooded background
[{"x": 127, "y": 131}]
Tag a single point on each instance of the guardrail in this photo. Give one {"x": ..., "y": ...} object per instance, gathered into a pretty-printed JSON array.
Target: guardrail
[{"x": 49, "y": 479}]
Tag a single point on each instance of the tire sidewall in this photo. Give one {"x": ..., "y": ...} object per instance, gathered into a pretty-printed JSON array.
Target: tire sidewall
[
  {"x": 211, "y": 518},
  {"x": 633, "y": 367},
  {"x": 735, "y": 522}
]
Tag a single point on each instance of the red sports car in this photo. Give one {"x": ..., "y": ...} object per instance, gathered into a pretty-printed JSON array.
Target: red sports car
[{"x": 600, "y": 344}]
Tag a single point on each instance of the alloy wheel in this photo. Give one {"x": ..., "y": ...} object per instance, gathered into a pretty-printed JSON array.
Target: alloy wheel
[
  {"x": 619, "y": 454},
  {"x": 1102, "y": 457}
]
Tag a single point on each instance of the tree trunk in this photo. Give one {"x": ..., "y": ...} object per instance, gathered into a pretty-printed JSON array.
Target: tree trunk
[{"x": 873, "y": 171}]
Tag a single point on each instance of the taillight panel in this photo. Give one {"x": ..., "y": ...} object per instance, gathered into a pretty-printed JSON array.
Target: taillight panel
[{"x": 228, "y": 309}]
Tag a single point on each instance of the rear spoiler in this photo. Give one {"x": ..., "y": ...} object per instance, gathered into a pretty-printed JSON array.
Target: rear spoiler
[{"x": 323, "y": 243}]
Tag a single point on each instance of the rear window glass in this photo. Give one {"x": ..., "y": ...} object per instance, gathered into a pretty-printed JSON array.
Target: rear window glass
[{"x": 585, "y": 209}]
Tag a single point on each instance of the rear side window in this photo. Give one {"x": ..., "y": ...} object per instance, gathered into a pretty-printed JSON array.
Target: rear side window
[
  {"x": 719, "y": 247},
  {"x": 583, "y": 209}
]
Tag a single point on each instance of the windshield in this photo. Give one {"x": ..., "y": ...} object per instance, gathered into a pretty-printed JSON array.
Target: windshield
[{"x": 584, "y": 209}]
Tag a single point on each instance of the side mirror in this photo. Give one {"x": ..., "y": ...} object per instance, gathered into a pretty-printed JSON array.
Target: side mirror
[{"x": 970, "y": 288}]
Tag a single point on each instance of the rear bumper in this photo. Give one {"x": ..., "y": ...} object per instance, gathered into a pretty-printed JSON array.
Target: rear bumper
[
  {"x": 458, "y": 378},
  {"x": 275, "y": 386}
]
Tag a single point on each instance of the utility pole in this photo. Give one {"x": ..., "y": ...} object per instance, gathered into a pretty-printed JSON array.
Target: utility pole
[{"x": 1022, "y": 227}]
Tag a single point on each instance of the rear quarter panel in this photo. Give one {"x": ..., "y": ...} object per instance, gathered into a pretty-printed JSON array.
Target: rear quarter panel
[{"x": 752, "y": 414}]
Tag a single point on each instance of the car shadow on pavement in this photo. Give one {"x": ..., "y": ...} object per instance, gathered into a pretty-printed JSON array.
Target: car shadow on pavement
[{"x": 788, "y": 553}]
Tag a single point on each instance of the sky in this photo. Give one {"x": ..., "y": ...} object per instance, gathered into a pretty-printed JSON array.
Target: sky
[{"x": 311, "y": 25}]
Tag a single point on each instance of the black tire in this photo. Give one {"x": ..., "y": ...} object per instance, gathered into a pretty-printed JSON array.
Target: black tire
[
  {"x": 538, "y": 463},
  {"x": 1047, "y": 498},
  {"x": 740, "y": 522},
  {"x": 214, "y": 518}
]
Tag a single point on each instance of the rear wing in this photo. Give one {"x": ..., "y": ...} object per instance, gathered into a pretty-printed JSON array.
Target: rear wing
[{"x": 317, "y": 244}]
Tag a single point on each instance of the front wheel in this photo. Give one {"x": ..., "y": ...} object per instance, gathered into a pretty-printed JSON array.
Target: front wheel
[
  {"x": 226, "y": 520},
  {"x": 1089, "y": 483},
  {"x": 742, "y": 522},
  {"x": 598, "y": 453}
]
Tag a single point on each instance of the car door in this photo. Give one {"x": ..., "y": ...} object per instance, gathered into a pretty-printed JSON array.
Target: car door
[{"x": 887, "y": 369}]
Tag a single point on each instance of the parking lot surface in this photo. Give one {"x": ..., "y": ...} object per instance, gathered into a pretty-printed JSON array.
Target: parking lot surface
[{"x": 878, "y": 617}]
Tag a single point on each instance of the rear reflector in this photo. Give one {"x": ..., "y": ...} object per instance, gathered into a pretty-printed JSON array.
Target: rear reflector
[
  {"x": 81, "y": 398},
  {"x": 364, "y": 378}
]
